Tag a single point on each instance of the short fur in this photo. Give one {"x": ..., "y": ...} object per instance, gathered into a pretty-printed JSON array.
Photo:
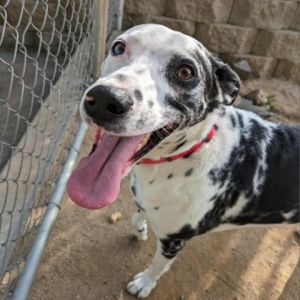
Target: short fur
[{"x": 248, "y": 173}]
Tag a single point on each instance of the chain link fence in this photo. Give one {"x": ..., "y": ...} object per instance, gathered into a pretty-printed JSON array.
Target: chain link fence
[{"x": 45, "y": 64}]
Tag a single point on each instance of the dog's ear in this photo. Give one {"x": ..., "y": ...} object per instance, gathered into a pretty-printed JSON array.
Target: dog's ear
[{"x": 226, "y": 83}]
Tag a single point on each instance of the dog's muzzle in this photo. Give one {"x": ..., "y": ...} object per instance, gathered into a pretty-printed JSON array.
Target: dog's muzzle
[{"x": 105, "y": 104}]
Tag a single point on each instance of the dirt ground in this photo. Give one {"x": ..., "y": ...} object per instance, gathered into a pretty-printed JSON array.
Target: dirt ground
[{"x": 89, "y": 258}]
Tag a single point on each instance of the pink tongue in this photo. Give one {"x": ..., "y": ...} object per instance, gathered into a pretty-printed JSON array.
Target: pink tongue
[{"x": 96, "y": 181}]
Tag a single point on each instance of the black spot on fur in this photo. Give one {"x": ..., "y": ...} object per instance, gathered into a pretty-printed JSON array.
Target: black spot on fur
[
  {"x": 190, "y": 101},
  {"x": 150, "y": 103},
  {"x": 181, "y": 138},
  {"x": 140, "y": 123},
  {"x": 232, "y": 120},
  {"x": 190, "y": 112},
  {"x": 214, "y": 197},
  {"x": 221, "y": 112},
  {"x": 133, "y": 190},
  {"x": 176, "y": 241},
  {"x": 214, "y": 216},
  {"x": 170, "y": 247},
  {"x": 205, "y": 69},
  {"x": 212, "y": 105},
  {"x": 185, "y": 233},
  {"x": 240, "y": 120},
  {"x": 216, "y": 127},
  {"x": 189, "y": 172},
  {"x": 258, "y": 130},
  {"x": 139, "y": 206},
  {"x": 177, "y": 105},
  {"x": 210, "y": 88},
  {"x": 138, "y": 95},
  {"x": 151, "y": 181},
  {"x": 207, "y": 139},
  {"x": 121, "y": 77},
  {"x": 188, "y": 155},
  {"x": 167, "y": 114},
  {"x": 264, "y": 218},
  {"x": 170, "y": 176},
  {"x": 178, "y": 146},
  {"x": 156, "y": 208}
]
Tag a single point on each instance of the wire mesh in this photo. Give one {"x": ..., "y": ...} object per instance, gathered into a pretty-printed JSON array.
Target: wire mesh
[{"x": 45, "y": 52}]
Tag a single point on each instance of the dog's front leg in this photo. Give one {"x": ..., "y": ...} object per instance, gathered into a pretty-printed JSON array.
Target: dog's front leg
[{"x": 143, "y": 283}]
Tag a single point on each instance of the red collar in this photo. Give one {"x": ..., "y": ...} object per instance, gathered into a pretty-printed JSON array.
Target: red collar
[{"x": 194, "y": 148}]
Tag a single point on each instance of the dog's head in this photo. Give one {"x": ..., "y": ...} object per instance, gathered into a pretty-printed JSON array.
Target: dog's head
[{"x": 155, "y": 80}]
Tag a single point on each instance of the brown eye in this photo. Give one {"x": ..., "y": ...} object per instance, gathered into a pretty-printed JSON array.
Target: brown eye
[
  {"x": 185, "y": 72},
  {"x": 118, "y": 48}
]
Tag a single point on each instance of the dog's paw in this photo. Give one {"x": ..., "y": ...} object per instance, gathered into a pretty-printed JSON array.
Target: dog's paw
[{"x": 141, "y": 285}]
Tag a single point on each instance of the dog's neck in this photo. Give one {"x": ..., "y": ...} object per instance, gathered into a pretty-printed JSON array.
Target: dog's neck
[{"x": 181, "y": 140}]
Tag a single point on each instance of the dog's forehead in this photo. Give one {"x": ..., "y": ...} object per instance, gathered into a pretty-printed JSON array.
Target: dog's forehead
[{"x": 159, "y": 39}]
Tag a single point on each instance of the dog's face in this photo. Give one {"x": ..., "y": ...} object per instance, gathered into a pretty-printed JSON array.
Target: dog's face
[
  {"x": 153, "y": 82},
  {"x": 157, "y": 79}
]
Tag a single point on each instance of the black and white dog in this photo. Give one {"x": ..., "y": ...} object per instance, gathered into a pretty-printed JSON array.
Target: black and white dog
[{"x": 163, "y": 104}]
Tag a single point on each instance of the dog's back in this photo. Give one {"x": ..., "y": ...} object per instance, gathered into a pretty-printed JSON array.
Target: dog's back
[{"x": 280, "y": 192}]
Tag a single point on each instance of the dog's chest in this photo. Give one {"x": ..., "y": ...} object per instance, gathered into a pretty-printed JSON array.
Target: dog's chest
[{"x": 174, "y": 194}]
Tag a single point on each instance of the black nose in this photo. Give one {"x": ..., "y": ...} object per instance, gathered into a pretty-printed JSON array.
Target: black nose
[{"x": 105, "y": 104}]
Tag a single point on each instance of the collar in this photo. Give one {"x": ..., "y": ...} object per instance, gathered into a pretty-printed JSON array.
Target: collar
[{"x": 185, "y": 153}]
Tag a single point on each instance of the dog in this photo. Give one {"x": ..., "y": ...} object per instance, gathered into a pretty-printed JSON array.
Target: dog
[{"x": 163, "y": 106}]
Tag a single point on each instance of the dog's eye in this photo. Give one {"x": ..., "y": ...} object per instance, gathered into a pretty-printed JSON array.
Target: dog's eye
[
  {"x": 185, "y": 72},
  {"x": 118, "y": 48}
]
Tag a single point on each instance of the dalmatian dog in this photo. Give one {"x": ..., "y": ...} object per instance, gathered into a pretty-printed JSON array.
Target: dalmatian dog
[{"x": 163, "y": 109}]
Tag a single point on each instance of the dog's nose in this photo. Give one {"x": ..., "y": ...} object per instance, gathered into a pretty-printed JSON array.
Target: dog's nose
[{"x": 104, "y": 104}]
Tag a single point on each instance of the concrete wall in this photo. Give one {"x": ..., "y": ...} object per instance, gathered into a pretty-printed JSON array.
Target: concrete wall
[{"x": 259, "y": 38}]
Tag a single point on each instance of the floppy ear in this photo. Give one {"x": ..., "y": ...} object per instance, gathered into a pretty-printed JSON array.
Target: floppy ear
[{"x": 226, "y": 83}]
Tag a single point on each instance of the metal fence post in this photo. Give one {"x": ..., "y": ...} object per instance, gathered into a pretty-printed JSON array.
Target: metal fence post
[
  {"x": 120, "y": 9},
  {"x": 100, "y": 34},
  {"x": 24, "y": 284}
]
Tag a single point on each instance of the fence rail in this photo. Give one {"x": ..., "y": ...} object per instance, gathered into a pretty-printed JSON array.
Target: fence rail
[{"x": 46, "y": 48}]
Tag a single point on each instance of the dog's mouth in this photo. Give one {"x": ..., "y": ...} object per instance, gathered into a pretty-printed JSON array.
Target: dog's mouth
[{"x": 96, "y": 181}]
